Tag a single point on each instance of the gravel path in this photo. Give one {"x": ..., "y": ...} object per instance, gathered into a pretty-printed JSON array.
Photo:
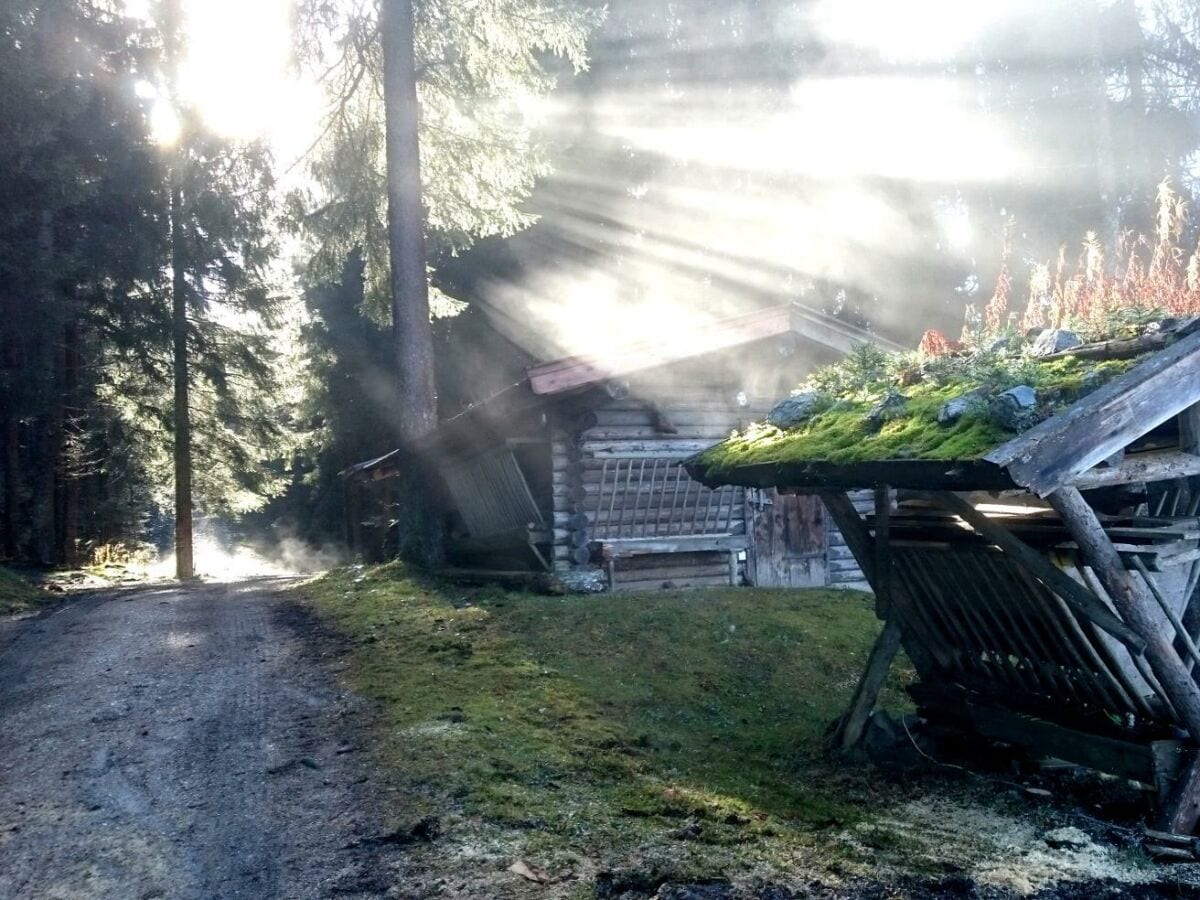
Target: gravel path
[{"x": 181, "y": 743}]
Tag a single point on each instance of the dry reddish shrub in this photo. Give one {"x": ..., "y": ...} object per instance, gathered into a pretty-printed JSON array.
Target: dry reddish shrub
[
  {"x": 934, "y": 344},
  {"x": 1146, "y": 275}
]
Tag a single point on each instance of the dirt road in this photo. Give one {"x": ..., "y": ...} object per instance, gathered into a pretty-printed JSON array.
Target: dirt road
[{"x": 181, "y": 743}]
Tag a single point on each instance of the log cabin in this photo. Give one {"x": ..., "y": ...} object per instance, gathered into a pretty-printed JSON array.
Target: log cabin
[
  {"x": 571, "y": 466},
  {"x": 1046, "y": 588}
]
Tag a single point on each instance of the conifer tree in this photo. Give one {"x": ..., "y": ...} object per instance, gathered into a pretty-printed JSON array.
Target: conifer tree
[{"x": 448, "y": 156}]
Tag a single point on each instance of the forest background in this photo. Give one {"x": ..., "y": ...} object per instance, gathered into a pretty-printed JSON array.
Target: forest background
[{"x": 584, "y": 168}]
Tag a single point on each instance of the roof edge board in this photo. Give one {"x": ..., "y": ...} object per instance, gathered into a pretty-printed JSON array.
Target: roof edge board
[{"x": 1060, "y": 449}]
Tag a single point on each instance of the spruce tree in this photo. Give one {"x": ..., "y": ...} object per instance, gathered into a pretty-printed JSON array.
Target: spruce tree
[{"x": 447, "y": 157}]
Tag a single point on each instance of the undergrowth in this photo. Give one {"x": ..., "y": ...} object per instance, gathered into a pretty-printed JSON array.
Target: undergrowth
[{"x": 17, "y": 594}]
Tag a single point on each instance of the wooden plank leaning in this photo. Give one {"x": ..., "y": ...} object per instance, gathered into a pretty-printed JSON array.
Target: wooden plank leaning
[
  {"x": 1072, "y": 592},
  {"x": 1134, "y": 604},
  {"x": 879, "y": 662}
]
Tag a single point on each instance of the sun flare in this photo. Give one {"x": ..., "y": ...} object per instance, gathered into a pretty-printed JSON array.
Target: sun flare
[{"x": 239, "y": 75}]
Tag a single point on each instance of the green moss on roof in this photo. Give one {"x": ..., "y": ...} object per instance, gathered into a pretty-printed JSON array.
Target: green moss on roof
[{"x": 842, "y": 433}]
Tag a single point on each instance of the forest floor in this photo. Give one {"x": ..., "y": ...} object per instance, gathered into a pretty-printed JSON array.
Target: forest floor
[
  {"x": 370, "y": 734},
  {"x": 18, "y": 594}
]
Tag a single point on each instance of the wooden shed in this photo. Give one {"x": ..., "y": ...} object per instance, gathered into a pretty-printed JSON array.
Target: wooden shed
[
  {"x": 1046, "y": 592},
  {"x": 572, "y": 466}
]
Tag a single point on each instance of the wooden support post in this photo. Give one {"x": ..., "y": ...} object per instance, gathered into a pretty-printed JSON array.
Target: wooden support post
[
  {"x": 854, "y": 720},
  {"x": 883, "y": 551},
  {"x": 1181, "y": 812},
  {"x": 1133, "y": 604},
  {"x": 866, "y": 694},
  {"x": 1189, "y": 442}
]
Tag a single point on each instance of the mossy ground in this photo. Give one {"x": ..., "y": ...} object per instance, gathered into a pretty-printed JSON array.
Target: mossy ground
[
  {"x": 685, "y": 731},
  {"x": 17, "y": 594},
  {"x": 842, "y": 433}
]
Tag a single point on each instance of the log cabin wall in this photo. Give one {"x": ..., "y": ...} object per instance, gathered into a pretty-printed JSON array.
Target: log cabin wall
[
  {"x": 616, "y": 479},
  {"x": 600, "y": 462}
]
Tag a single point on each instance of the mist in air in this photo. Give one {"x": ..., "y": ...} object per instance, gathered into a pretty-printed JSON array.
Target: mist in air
[{"x": 859, "y": 156}]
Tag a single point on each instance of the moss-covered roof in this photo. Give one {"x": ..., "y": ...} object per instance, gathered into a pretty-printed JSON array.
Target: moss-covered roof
[{"x": 843, "y": 429}]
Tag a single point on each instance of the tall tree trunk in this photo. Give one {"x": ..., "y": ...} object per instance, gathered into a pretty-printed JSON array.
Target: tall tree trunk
[
  {"x": 11, "y": 365},
  {"x": 420, "y": 534},
  {"x": 72, "y": 367},
  {"x": 45, "y": 438},
  {"x": 182, "y": 427},
  {"x": 184, "y": 567},
  {"x": 10, "y": 458}
]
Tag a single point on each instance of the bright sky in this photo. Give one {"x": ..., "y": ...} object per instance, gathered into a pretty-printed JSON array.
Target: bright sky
[{"x": 237, "y": 74}]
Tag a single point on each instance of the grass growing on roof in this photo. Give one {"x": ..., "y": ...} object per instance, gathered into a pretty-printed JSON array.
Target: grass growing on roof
[{"x": 842, "y": 432}]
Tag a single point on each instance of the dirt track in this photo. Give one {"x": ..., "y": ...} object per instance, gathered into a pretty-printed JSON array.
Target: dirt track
[{"x": 180, "y": 743}]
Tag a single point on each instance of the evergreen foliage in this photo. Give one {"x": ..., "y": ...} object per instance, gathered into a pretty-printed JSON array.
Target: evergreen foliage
[
  {"x": 482, "y": 70},
  {"x": 85, "y": 364}
]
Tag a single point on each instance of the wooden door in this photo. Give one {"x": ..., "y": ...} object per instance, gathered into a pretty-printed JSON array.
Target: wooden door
[{"x": 790, "y": 545}]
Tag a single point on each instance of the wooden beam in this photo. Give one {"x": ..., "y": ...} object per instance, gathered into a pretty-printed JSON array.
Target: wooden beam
[
  {"x": 818, "y": 476},
  {"x": 1061, "y": 448},
  {"x": 1072, "y": 592},
  {"x": 883, "y": 652},
  {"x": 866, "y": 693},
  {"x": 1189, "y": 442},
  {"x": 883, "y": 550},
  {"x": 1182, "y": 810},
  {"x": 1043, "y": 738},
  {"x": 1189, "y": 429},
  {"x": 1134, "y": 605},
  {"x": 617, "y": 548},
  {"x": 1149, "y": 467},
  {"x": 1121, "y": 349}
]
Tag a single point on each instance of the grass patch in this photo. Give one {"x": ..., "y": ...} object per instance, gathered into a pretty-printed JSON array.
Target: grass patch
[
  {"x": 604, "y": 726},
  {"x": 662, "y": 737},
  {"x": 17, "y": 594}
]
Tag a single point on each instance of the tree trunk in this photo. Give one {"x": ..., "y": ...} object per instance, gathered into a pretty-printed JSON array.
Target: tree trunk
[
  {"x": 10, "y": 457},
  {"x": 69, "y": 523},
  {"x": 182, "y": 426},
  {"x": 184, "y": 567},
  {"x": 420, "y": 532}
]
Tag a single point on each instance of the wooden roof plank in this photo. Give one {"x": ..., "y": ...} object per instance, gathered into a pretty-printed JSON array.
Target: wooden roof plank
[
  {"x": 1058, "y": 450},
  {"x": 818, "y": 475}
]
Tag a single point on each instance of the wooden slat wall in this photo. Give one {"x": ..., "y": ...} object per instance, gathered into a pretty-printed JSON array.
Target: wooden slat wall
[
  {"x": 628, "y": 429},
  {"x": 631, "y": 429},
  {"x": 491, "y": 493},
  {"x": 843, "y": 570}
]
